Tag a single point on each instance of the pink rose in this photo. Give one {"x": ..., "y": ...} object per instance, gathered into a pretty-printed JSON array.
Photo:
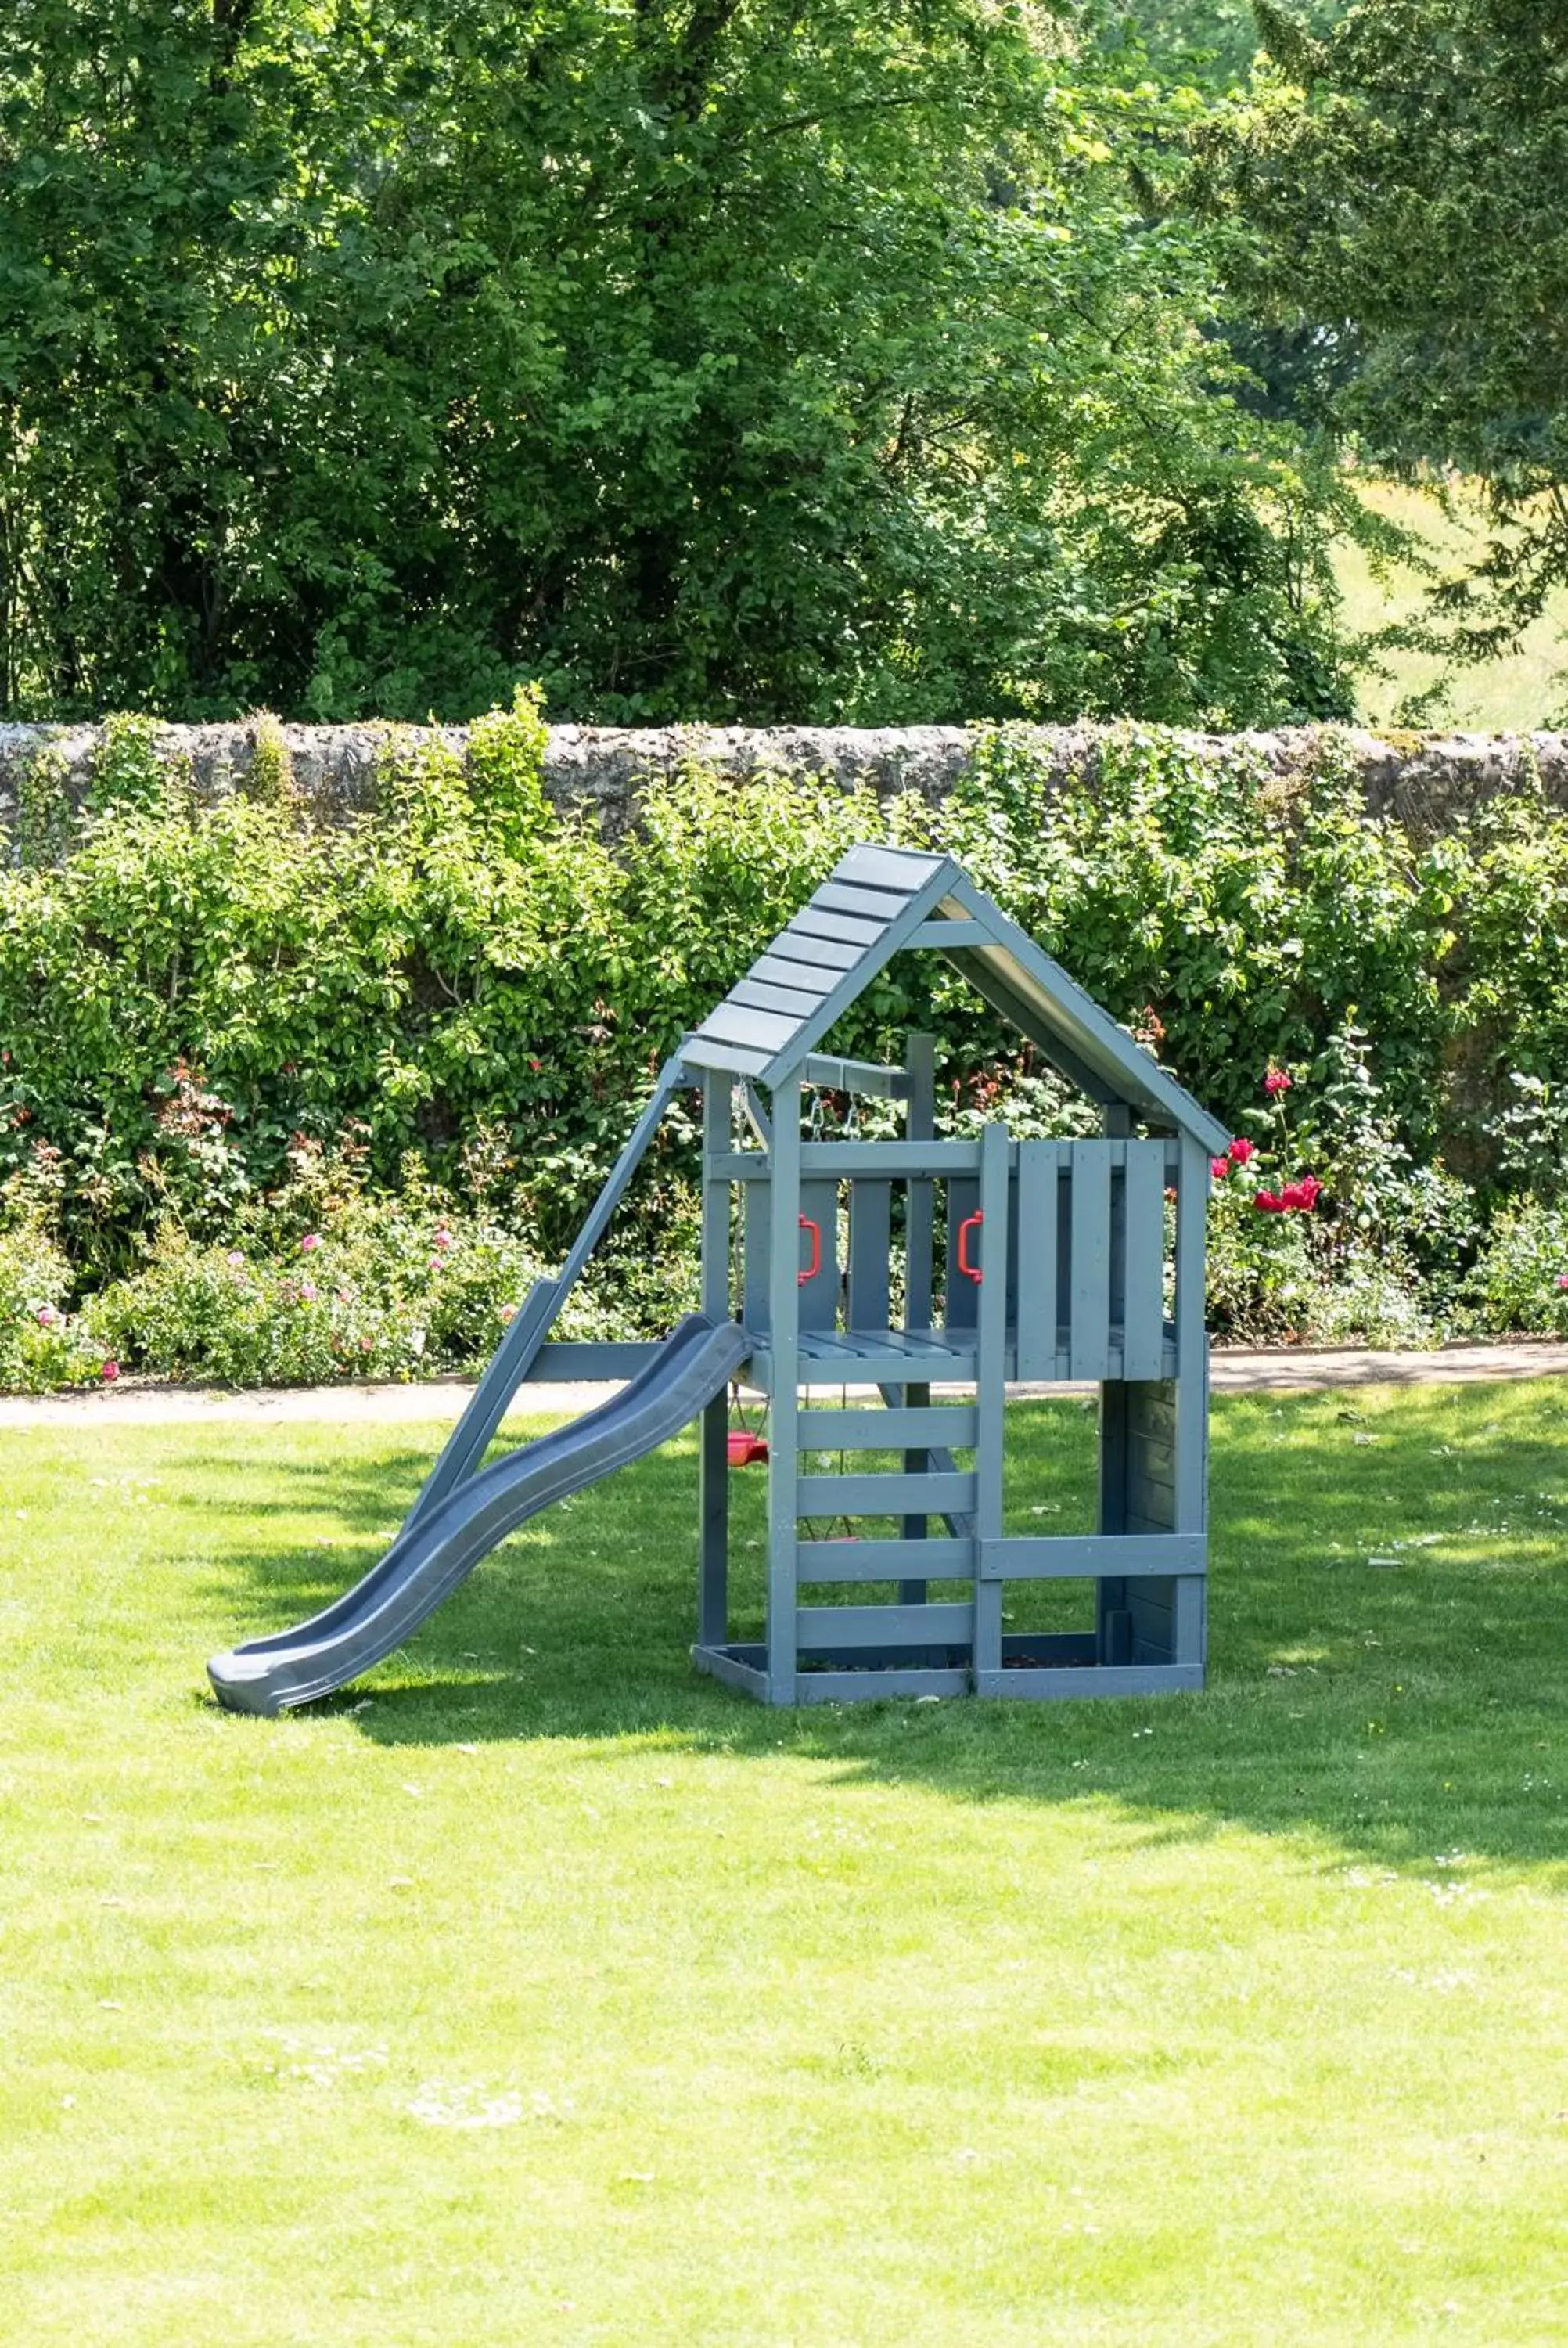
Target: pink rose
[
  {"x": 109, "y": 1372},
  {"x": 1240, "y": 1150},
  {"x": 235, "y": 1256},
  {"x": 509, "y": 1311},
  {"x": 48, "y": 1316},
  {"x": 1277, "y": 1081},
  {"x": 1219, "y": 1167},
  {"x": 442, "y": 1237},
  {"x": 1563, "y": 1280},
  {"x": 307, "y": 1291},
  {"x": 309, "y": 1243}
]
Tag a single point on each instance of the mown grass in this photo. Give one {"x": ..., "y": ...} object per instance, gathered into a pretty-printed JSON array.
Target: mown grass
[
  {"x": 539, "y": 1992},
  {"x": 1520, "y": 691}
]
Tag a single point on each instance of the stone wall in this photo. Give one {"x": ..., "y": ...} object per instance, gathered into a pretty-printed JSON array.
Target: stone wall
[{"x": 1427, "y": 781}]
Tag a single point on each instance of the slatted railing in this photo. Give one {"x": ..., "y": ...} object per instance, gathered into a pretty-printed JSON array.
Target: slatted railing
[{"x": 1086, "y": 1252}]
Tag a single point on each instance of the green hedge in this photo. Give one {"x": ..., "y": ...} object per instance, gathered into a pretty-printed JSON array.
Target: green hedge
[{"x": 473, "y": 985}]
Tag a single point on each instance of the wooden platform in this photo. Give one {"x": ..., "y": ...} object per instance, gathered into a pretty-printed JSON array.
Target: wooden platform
[{"x": 898, "y": 1357}]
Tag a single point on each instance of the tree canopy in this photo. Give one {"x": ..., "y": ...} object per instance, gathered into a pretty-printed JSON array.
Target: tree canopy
[
  {"x": 1398, "y": 184},
  {"x": 700, "y": 358}
]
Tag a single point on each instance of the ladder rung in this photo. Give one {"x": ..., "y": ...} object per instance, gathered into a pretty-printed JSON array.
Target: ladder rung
[
  {"x": 885, "y": 1626},
  {"x": 941, "y": 1559},
  {"x": 936, "y": 1429},
  {"x": 884, "y": 1496}
]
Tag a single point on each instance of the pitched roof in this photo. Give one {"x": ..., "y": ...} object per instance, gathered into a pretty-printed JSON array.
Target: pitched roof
[{"x": 877, "y": 901}]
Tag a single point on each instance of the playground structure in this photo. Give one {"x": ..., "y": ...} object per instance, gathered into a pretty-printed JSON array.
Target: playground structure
[{"x": 891, "y": 1267}]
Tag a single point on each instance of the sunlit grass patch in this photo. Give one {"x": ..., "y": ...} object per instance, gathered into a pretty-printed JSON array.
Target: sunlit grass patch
[{"x": 539, "y": 1990}]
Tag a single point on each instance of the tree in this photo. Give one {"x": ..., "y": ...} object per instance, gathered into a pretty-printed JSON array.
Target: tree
[
  {"x": 1213, "y": 42},
  {"x": 1398, "y": 181},
  {"x": 702, "y": 358}
]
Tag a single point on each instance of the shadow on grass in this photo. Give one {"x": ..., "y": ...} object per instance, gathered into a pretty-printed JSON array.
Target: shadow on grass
[{"x": 1388, "y": 1627}]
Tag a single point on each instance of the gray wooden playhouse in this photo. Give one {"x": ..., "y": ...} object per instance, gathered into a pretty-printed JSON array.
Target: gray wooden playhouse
[
  {"x": 889, "y": 1266},
  {"x": 1060, "y": 1262}
]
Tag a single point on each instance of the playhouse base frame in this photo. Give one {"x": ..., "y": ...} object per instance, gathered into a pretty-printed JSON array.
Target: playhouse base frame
[{"x": 1050, "y": 1666}]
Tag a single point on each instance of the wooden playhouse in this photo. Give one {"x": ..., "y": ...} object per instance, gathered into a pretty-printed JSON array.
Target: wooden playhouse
[{"x": 891, "y": 1267}]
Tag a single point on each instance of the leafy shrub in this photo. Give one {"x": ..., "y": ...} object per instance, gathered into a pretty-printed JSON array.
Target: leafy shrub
[
  {"x": 462, "y": 999},
  {"x": 323, "y": 1279},
  {"x": 42, "y": 1346},
  {"x": 1520, "y": 1279}
]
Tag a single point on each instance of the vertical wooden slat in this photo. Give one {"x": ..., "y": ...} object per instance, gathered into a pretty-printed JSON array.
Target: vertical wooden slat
[
  {"x": 1189, "y": 1632},
  {"x": 920, "y": 1125},
  {"x": 1090, "y": 1356},
  {"x": 1144, "y": 1282},
  {"x": 757, "y": 1243},
  {"x": 963, "y": 1196},
  {"x": 1039, "y": 1183},
  {"x": 1112, "y": 1623},
  {"x": 870, "y": 1246},
  {"x": 921, "y": 1059},
  {"x": 1149, "y": 1598},
  {"x": 990, "y": 1396},
  {"x": 1192, "y": 1340},
  {"x": 783, "y": 1450},
  {"x": 916, "y": 1462},
  {"x": 713, "y": 1477},
  {"x": 819, "y": 1295}
]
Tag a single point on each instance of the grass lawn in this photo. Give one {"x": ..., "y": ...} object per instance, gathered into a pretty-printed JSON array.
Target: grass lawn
[
  {"x": 1524, "y": 690},
  {"x": 538, "y": 1991}
]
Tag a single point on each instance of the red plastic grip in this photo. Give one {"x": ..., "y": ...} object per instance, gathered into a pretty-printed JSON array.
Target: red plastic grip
[
  {"x": 971, "y": 1223},
  {"x": 815, "y": 1266}
]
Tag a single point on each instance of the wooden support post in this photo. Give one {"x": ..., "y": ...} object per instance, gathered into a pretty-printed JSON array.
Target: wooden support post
[
  {"x": 713, "y": 1464},
  {"x": 991, "y": 1399},
  {"x": 784, "y": 1264},
  {"x": 1189, "y": 1627},
  {"x": 920, "y": 1222},
  {"x": 920, "y": 1066},
  {"x": 1111, "y": 1629}
]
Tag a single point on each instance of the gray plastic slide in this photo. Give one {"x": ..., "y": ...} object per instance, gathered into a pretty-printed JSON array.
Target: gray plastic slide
[{"x": 441, "y": 1543}]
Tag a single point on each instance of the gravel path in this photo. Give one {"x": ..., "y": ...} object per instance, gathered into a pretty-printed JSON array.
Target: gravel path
[{"x": 1282, "y": 1370}]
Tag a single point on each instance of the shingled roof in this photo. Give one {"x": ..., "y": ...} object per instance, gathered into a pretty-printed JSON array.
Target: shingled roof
[{"x": 877, "y": 901}]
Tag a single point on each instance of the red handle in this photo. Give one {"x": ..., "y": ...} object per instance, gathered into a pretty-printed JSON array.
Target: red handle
[
  {"x": 815, "y": 1266},
  {"x": 971, "y": 1223}
]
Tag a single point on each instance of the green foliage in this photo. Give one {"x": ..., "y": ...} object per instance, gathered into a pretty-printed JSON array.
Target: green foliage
[
  {"x": 1250, "y": 914},
  {"x": 1520, "y": 1279},
  {"x": 701, "y": 360},
  {"x": 321, "y": 1279},
  {"x": 463, "y": 999},
  {"x": 43, "y": 825},
  {"x": 388, "y": 1288},
  {"x": 42, "y": 1346},
  {"x": 271, "y": 777},
  {"x": 1212, "y": 42},
  {"x": 1397, "y": 180}
]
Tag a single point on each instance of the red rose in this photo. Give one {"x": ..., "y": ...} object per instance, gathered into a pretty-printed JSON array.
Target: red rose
[
  {"x": 1240, "y": 1150},
  {"x": 1219, "y": 1167},
  {"x": 1267, "y": 1204}
]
